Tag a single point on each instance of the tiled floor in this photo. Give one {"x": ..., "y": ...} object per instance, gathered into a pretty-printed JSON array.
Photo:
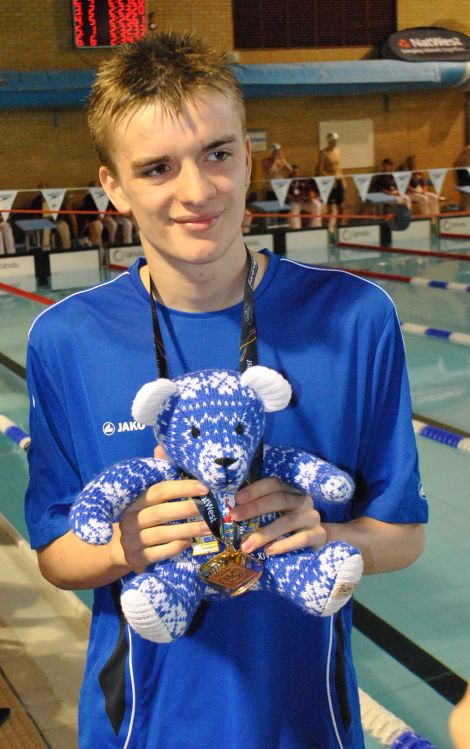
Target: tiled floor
[{"x": 43, "y": 639}]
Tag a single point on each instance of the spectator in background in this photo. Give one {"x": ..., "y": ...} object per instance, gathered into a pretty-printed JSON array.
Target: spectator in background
[
  {"x": 275, "y": 166},
  {"x": 96, "y": 223},
  {"x": 462, "y": 177},
  {"x": 427, "y": 202},
  {"x": 303, "y": 197},
  {"x": 329, "y": 165},
  {"x": 385, "y": 183},
  {"x": 119, "y": 220},
  {"x": 90, "y": 224},
  {"x": 60, "y": 224},
  {"x": 7, "y": 242},
  {"x": 71, "y": 217}
]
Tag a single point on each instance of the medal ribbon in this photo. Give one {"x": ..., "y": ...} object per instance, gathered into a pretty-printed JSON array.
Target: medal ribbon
[{"x": 207, "y": 505}]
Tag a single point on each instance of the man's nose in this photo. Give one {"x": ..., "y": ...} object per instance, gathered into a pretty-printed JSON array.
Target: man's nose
[{"x": 194, "y": 186}]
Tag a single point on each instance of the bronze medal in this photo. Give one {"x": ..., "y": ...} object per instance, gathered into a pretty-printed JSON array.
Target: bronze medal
[{"x": 232, "y": 571}]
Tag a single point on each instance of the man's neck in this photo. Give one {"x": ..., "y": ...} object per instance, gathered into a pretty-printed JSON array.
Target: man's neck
[{"x": 200, "y": 287}]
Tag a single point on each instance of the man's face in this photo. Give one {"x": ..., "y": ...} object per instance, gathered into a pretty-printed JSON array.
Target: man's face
[{"x": 183, "y": 177}]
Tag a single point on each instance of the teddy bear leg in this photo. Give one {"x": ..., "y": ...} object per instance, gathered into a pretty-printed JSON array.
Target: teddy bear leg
[
  {"x": 160, "y": 605},
  {"x": 320, "y": 582}
]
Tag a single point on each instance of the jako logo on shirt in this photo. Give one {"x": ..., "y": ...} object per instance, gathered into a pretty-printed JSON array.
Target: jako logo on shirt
[{"x": 123, "y": 426}]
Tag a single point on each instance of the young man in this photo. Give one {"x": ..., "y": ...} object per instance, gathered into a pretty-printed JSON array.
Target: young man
[
  {"x": 274, "y": 166},
  {"x": 168, "y": 122},
  {"x": 329, "y": 165}
]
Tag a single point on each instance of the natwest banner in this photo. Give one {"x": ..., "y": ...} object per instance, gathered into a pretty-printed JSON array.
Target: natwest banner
[{"x": 423, "y": 44}]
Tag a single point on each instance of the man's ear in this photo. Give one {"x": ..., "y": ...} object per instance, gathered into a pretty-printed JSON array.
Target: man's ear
[{"x": 113, "y": 190}]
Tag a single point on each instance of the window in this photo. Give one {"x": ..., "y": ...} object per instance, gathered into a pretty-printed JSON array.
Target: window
[{"x": 284, "y": 24}]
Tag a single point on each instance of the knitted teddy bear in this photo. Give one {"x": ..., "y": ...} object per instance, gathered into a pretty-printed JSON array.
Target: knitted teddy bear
[{"x": 210, "y": 424}]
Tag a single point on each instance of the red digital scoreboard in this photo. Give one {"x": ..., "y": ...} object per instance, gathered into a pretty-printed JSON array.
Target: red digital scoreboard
[{"x": 108, "y": 23}]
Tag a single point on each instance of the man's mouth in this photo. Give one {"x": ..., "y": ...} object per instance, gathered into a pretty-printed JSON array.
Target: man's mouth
[{"x": 198, "y": 223}]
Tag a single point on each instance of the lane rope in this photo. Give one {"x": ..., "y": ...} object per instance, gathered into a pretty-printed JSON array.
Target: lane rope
[
  {"x": 413, "y": 280},
  {"x": 386, "y": 728},
  {"x": 404, "y": 251},
  {"x": 444, "y": 436},
  {"x": 453, "y": 336},
  {"x": 25, "y": 294},
  {"x": 14, "y": 432}
]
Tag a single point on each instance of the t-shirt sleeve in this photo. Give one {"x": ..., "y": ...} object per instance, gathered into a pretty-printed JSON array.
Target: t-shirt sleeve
[
  {"x": 54, "y": 479},
  {"x": 388, "y": 478}
]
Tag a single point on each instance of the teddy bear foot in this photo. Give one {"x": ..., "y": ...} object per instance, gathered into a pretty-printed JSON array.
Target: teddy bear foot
[
  {"x": 155, "y": 610},
  {"x": 319, "y": 582},
  {"x": 347, "y": 580}
]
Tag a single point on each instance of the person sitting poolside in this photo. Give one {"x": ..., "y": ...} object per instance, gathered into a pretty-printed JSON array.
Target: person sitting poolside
[
  {"x": 303, "y": 197},
  {"x": 385, "y": 183}
]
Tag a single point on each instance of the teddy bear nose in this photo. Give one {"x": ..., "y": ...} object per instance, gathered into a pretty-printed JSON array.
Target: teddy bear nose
[{"x": 224, "y": 462}]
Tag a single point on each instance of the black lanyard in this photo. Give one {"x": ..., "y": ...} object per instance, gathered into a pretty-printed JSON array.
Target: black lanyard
[
  {"x": 248, "y": 357},
  {"x": 248, "y": 345}
]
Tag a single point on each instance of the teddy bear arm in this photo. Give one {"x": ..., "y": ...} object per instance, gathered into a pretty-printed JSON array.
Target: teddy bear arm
[
  {"x": 103, "y": 499},
  {"x": 308, "y": 474}
]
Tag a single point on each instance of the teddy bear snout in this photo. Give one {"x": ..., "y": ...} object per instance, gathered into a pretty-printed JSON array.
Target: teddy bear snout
[{"x": 225, "y": 462}]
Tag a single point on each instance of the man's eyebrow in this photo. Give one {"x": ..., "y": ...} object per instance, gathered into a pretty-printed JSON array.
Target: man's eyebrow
[
  {"x": 224, "y": 141},
  {"x": 149, "y": 161},
  {"x": 154, "y": 161}
]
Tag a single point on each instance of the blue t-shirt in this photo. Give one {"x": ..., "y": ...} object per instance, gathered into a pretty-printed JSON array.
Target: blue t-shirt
[{"x": 254, "y": 672}]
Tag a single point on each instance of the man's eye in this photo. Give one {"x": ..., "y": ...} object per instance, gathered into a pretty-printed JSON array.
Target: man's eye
[
  {"x": 195, "y": 432},
  {"x": 239, "y": 428},
  {"x": 158, "y": 170},
  {"x": 219, "y": 155}
]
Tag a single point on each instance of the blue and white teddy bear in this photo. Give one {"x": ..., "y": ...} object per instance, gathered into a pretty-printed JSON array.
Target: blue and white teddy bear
[{"x": 210, "y": 424}]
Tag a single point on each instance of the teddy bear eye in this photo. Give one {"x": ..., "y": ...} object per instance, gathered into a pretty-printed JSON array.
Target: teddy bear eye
[
  {"x": 239, "y": 428},
  {"x": 195, "y": 432}
]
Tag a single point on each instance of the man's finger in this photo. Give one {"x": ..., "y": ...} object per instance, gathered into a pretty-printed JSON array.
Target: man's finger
[
  {"x": 165, "y": 513},
  {"x": 261, "y": 488},
  {"x": 159, "y": 452},
  {"x": 166, "y": 491},
  {"x": 280, "y": 501}
]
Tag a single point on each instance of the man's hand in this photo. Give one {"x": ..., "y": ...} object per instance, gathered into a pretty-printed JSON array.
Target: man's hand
[
  {"x": 148, "y": 531},
  {"x": 298, "y": 517}
]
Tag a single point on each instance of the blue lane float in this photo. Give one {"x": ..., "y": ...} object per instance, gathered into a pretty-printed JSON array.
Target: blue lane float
[
  {"x": 14, "y": 432},
  {"x": 445, "y": 437},
  {"x": 434, "y": 284},
  {"x": 453, "y": 336},
  {"x": 411, "y": 740}
]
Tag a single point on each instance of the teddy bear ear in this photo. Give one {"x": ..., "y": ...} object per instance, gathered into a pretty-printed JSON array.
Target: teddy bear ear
[
  {"x": 150, "y": 399},
  {"x": 273, "y": 389}
]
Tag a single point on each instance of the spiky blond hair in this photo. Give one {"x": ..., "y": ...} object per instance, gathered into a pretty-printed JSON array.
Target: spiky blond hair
[{"x": 167, "y": 67}]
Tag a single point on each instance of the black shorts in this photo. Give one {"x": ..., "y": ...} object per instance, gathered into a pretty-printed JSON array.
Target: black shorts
[{"x": 336, "y": 194}]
